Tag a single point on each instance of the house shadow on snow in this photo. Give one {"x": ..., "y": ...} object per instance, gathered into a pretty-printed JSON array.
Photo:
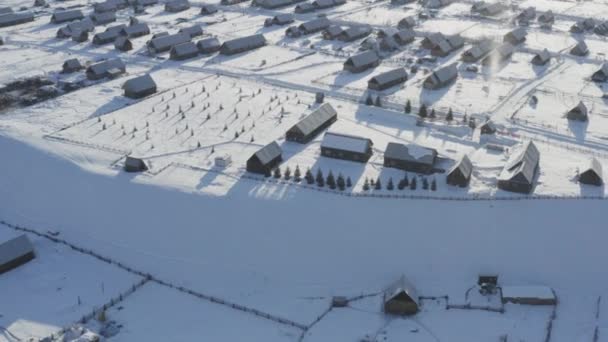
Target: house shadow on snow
[{"x": 579, "y": 129}]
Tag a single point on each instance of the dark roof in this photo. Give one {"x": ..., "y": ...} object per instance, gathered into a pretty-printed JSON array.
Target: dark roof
[
  {"x": 412, "y": 153},
  {"x": 102, "y": 68},
  {"x": 193, "y": 31},
  {"x": 315, "y": 119},
  {"x": 244, "y": 42},
  {"x": 208, "y": 8},
  {"x": 521, "y": 166},
  {"x": 315, "y": 25},
  {"x": 596, "y": 167},
  {"x": 72, "y": 64},
  {"x": 139, "y": 84},
  {"x": 580, "y": 48},
  {"x": 138, "y": 29},
  {"x": 268, "y": 153},
  {"x": 10, "y": 19},
  {"x": 103, "y": 18},
  {"x": 389, "y": 76},
  {"x": 63, "y": 16},
  {"x": 164, "y": 43},
  {"x": 15, "y": 248},
  {"x": 362, "y": 59}
]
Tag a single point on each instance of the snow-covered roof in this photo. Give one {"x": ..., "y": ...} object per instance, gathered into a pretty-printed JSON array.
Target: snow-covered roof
[
  {"x": 530, "y": 291},
  {"x": 103, "y": 67},
  {"x": 10, "y": 19},
  {"x": 362, "y": 59},
  {"x": 478, "y": 51},
  {"x": 15, "y": 248},
  {"x": 315, "y": 119},
  {"x": 463, "y": 165},
  {"x": 166, "y": 42},
  {"x": 404, "y": 35},
  {"x": 522, "y": 164},
  {"x": 346, "y": 142},
  {"x": 193, "y": 31},
  {"x": 5, "y": 10},
  {"x": 208, "y": 43},
  {"x": 594, "y": 166},
  {"x": 446, "y": 73},
  {"x": 247, "y": 42},
  {"x": 315, "y": 25},
  {"x": 184, "y": 49},
  {"x": 389, "y": 76},
  {"x": 411, "y": 152},
  {"x": 138, "y": 29},
  {"x": 542, "y": 56},
  {"x": 63, "y": 16},
  {"x": 103, "y": 18},
  {"x": 268, "y": 153},
  {"x": 402, "y": 285},
  {"x": 580, "y": 48},
  {"x": 139, "y": 84}
]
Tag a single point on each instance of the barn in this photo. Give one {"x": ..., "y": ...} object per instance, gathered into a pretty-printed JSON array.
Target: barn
[
  {"x": 593, "y": 174},
  {"x": 441, "y": 78},
  {"x": 578, "y": 113},
  {"x": 133, "y": 164},
  {"x": 60, "y": 17},
  {"x": 332, "y": 32},
  {"x": 15, "y": 252},
  {"x": 136, "y": 30},
  {"x": 184, "y": 51},
  {"x": 406, "y": 23},
  {"x": 411, "y": 157},
  {"x": 432, "y": 40},
  {"x": 477, "y": 52},
  {"x": 541, "y": 58},
  {"x": 460, "y": 173},
  {"x": 580, "y": 49},
  {"x": 313, "y": 26},
  {"x": 104, "y": 69},
  {"x": 346, "y": 147},
  {"x": 354, "y": 33},
  {"x": 71, "y": 65},
  {"x": 401, "y": 298},
  {"x": 108, "y": 36},
  {"x": 520, "y": 171},
  {"x": 177, "y": 6},
  {"x": 139, "y": 87},
  {"x": 516, "y": 36},
  {"x": 387, "y": 79},
  {"x": 313, "y": 124},
  {"x": 208, "y": 45},
  {"x": 103, "y": 18},
  {"x": 500, "y": 55},
  {"x": 528, "y": 295},
  {"x": 208, "y": 9},
  {"x": 193, "y": 31},
  {"x": 362, "y": 62},
  {"x": 166, "y": 42},
  {"x": 123, "y": 43},
  {"x": 80, "y": 36},
  {"x": 601, "y": 75},
  {"x": 404, "y": 37},
  {"x": 265, "y": 159},
  {"x": 11, "y": 19},
  {"x": 242, "y": 44}
]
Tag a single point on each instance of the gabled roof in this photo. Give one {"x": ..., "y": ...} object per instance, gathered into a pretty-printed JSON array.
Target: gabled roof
[
  {"x": 546, "y": 17},
  {"x": 522, "y": 164},
  {"x": 208, "y": 43},
  {"x": 401, "y": 286},
  {"x": 283, "y": 18},
  {"x": 139, "y": 84},
  {"x": 15, "y": 248},
  {"x": 208, "y": 8},
  {"x": 464, "y": 166},
  {"x": 434, "y": 38},
  {"x": 603, "y": 69},
  {"x": 594, "y": 167},
  {"x": 580, "y": 48},
  {"x": 136, "y": 30},
  {"x": 315, "y": 119},
  {"x": 407, "y": 22},
  {"x": 346, "y": 142},
  {"x": 315, "y": 25},
  {"x": 72, "y": 64},
  {"x": 389, "y": 76},
  {"x": 193, "y": 31},
  {"x": 446, "y": 73},
  {"x": 580, "y": 108},
  {"x": 103, "y": 67},
  {"x": 244, "y": 42},
  {"x": 542, "y": 56},
  {"x": 455, "y": 41},
  {"x": 104, "y": 17},
  {"x": 518, "y": 34},
  {"x": 404, "y": 35},
  {"x": 6, "y": 10},
  {"x": 184, "y": 49},
  {"x": 333, "y": 31},
  {"x": 10, "y": 19},
  {"x": 362, "y": 59},
  {"x": 356, "y": 32},
  {"x": 478, "y": 51},
  {"x": 166, "y": 42},
  {"x": 411, "y": 153},
  {"x": 268, "y": 153},
  {"x": 62, "y": 16}
]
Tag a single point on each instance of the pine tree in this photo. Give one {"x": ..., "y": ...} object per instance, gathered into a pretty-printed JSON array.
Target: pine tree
[
  {"x": 331, "y": 181},
  {"x": 212, "y": 149},
  {"x": 434, "y": 185},
  {"x": 370, "y": 100},
  {"x": 236, "y": 135},
  {"x": 277, "y": 173},
  {"x": 349, "y": 183},
  {"x": 408, "y": 107},
  {"x": 422, "y": 112},
  {"x": 296, "y": 174},
  {"x": 450, "y": 115},
  {"x": 465, "y": 119},
  {"x": 320, "y": 180},
  {"x": 366, "y": 184},
  {"x": 401, "y": 185},
  {"x": 378, "y": 184},
  {"x": 287, "y": 173},
  {"x": 340, "y": 182},
  {"x": 378, "y": 102},
  {"x": 267, "y": 173},
  {"x": 390, "y": 185},
  {"x": 425, "y": 184},
  {"x": 433, "y": 114},
  {"x": 413, "y": 184},
  {"x": 309, "y": 177}
]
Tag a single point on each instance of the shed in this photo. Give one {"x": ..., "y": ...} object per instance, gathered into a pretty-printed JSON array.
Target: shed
[
  {"x": 541, "y": 58},
  {"x": 578, "y": 113},
  {"x": 279, "y": 19},
  {"x": 354, "y": 33},
  {"x": 580, "y": 49},
  {"x": 136, "y": 30},
  {"x": 15, "y": 252},
  {"x": 332, "y": 32},
  {"x": 193, "y": 31},
  {"x": 123, "y": 43},
  {"x": 401, "y": 298},
  {"x": 166, "y": 42},
  {"x": 103, "y": 18},
  {"x": 139, "y": 87},
  {"x": 411, "y": 157},
  {"x": 242, "y": 44},
  {"x": 312, "y": 124},
  {"x": 346, "y": 147},
  {"x": 208, "y": 9},
  {"x": 265, "y": 159},
  {"x": 528, "y": 295},
  {"x": 71, "y": 65},
  {"x": 80, "y": 36},
  {"x": 175, "y": 6},
  {"x": 65, "y": 16},
  {"x": 134, "y": 164},
  {"x": 305, "y": 8},
  {"x": 12, "y": 19},
  {"x": 487, "y": 127},
  {"x": 387, "y": 79},
  {"x": 362, "y": 62},
  {"x": 516, "y": 36},
  {"x": 223, "y": 161},
  {"x": 106, "y": 37},
  {"x": 460, "y": 173},
  {"x": 432, "y": 40},
  {"x": 478, "y": 51},
  {"x": 547, "y": 18},
  {"x": 100, "y": 70},
  {"x": 441, "y": 78},
  {"x": 527, "y": 14},
  {"x": 404, "y": 37},
  {"x": 601, "y": 75},
  {"x": 406, "y": 23},
  {"x": 184, "y": 51},
  {"x": 592, "y": 174},
  {"x": 315, "y": 25},
  {"x": 520, "y": 171},
  {"x": 208, "y": 45}
]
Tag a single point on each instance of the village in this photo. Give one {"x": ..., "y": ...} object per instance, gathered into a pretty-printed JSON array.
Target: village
[{"x": 388, "y": 110}]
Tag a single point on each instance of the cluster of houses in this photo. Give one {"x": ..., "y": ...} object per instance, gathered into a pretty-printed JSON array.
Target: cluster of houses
[
  {"x": 316, "y": 5},
  {"x": 10, "y": 18},
  {"x": 488, "y": 9}
]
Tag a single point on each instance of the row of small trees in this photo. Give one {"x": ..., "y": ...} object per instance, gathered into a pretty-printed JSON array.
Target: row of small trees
[{"x": 404, "y": 183}]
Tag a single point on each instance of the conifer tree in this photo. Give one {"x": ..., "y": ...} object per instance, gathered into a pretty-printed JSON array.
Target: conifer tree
[
  {"x": 277, "y": 173},
  {"x": 297, "y": 176},
  {"x": 320, "y": 180},
  {"x": 366, "y": 184},
  {"x": 287, "y": 173},
  {"x": 340, "y": 182},
  {"x": 378, "y": 184},
  {"x": 413, "y": 184},
  {"x": 331, "y": 181},
  {"x": 434, "y": 185},
  {"x": 390, "y": 185},
  {"x": 450, "y": 116},
  {"x": 425, "y": 184},
  {"x": 349, "y": 183},
  {"x": 422, "y": 112},
  {"x": 408, "y": 107}
]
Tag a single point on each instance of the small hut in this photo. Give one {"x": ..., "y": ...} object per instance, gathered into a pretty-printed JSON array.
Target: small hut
[
  {"x": 401, "y": 298},
  {"x": 460, "y": 173},
  {"x": 578, "y": 113},
  {"x": 133, "y": 164},
  {"x": 593, "y": 174}
]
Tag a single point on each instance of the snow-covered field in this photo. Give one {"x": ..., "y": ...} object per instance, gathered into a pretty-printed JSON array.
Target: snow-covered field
[{"x": 285, "y": 248}]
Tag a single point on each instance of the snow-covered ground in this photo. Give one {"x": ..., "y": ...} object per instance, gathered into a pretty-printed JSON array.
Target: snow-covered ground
[{"x": 286, "y": 248}]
